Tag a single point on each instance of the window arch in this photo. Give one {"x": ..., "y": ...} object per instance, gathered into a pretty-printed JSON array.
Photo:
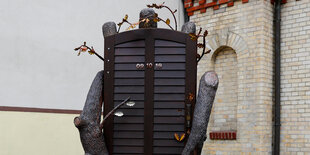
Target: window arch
[{"x": 224, "y": 111}]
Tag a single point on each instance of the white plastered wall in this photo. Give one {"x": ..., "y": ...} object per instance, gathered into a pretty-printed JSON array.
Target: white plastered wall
[{"x": 38, "y": 65}]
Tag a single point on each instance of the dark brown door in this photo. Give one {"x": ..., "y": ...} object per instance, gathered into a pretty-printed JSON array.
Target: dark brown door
[{"x": 157, "y": 69}]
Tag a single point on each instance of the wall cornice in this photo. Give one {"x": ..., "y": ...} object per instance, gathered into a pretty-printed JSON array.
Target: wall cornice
[{"x": 215, "y": 4}]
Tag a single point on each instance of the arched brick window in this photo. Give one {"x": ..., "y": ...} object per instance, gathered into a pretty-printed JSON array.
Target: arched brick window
[{"x": 224, "y": 111}]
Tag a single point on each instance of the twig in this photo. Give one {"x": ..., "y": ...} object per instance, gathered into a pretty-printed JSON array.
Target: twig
[
  {"x": 199, "y": 32},
  {"x": 112, "y": 111},
  {"x": 91, "y": 51},
  {"x": 204, "y": 48},
  {"x": 119, "y": 27},
  {"x": 172, "y": 12},
  {"x": 175, "y": 20},
  {"x": 121, "y": 23},
  {"x": 100, "y": 57},
  {"x": 200, "y": 45},
  {"x": 165, "y": 22}
]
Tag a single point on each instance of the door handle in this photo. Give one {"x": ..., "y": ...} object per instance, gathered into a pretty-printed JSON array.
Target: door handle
[
  {"x": 149, "y": 65},
  {"x": 140, "y": 66},
  {"x": 158, "y": 65}
]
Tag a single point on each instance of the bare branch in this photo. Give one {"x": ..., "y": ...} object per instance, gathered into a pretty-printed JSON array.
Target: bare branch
[
  {"x": 84, "y": 48},
  {"x": 112, "y": 111},
  {"x": 172, "y": 12}
]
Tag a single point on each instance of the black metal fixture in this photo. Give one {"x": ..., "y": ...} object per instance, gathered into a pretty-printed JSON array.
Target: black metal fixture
[{"x": 277, "y": 78}]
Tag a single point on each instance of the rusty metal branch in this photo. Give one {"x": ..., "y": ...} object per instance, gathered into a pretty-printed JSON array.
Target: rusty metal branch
[
  {"x": 91, "y": 51},
  {"x": 165, "y": 22},
  {"x": 121, "y": 23},
  {"x": 112, "y": 111},
  {"x": 203, "y": 50},
  {"x": 175, "y": 20},
  {"x": 172, "y": 12}
]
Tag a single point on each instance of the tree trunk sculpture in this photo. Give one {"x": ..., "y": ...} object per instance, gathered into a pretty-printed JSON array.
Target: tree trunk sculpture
[
  {"x": 88, "y": 123},
  {"x": 207, "y": 90}
]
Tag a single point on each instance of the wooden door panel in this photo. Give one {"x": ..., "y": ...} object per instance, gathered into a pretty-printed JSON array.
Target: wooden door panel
[
  {"x": 127, "y": 149},
  {"x": 169, "y": 89},
  {"x": 169, "y": 105},
  {"x": 138, "y": 105},
  {"x": 165, "y": 135},
  {"x": 129, "y": 59},
  {"x": 132, "y": 112},
  {"x": 133, "y": 44},
  {"x": 128, "y": 154},
  {"x": 170, "y": 58},
  {"x": 170, "y": 51},
  {"x": 128, "y": 119},
  {"x": 169, "y": 120},
  {"x": 129, "y": 89},
  {"x": 169, "y": 82},
  {"x": 128, "y": 127},
  {"x": 129, "y": 74},
  {"x": 166, "y": 43},
  {"x": 169, "y": 97},
  {"x": 168, "y": 143},
  {"x": 169, "y": 112},
  {"x": 159, "y": 89},
  {"x": 128, "y": 142},
  {"x": 168, "y": 150},
  {"x": 169, "y": 74},
  {"x": 128, "y": 134},
  {"x": 171, "y": 128},
  {"x": 129, "y": 82},
  {"x": 129, "y": 51},
  {"x": 134, "y": 97}
]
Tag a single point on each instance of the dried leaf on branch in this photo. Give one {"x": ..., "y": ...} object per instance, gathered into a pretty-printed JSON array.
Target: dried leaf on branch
[
  {"x": 193, "y": 36},
  {"x": 168, "y": 21},
  {"x": 200, "y": 45}
]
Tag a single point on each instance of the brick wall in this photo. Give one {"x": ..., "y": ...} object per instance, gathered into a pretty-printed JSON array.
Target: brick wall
[
  {"x": 295, "y": 79},
  {"x": 246, "y": 28}
]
